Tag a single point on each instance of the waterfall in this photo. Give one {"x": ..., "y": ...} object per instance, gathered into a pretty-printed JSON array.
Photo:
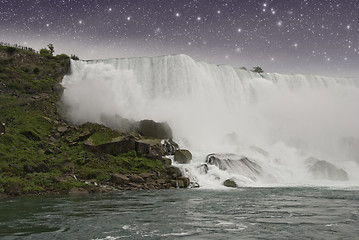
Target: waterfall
[{"x": 278, "y": 121}]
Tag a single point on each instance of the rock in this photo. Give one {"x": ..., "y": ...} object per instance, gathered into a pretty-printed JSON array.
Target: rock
[
  {"x": 62, "y": 129},
  {"x": 236, "y": 164},
  {"x": 185, "y": 181},
  {"x": 150, "y": 128},
  {"x": 31, "y": 135},
  {"x": 183, "y": 156},
  {"x": 119, "y": 179},
  {"x": 124, "y": 145},
  {"x": 75, "y": 191},
  {"x": 170, "y": 146},
  {"x": 84, "y": 135},
  {"x": 2, "y": 128},
  {"x": 142, "y": 148},
  {"x": 324, "y": 170},
  {"x": 230, "y": 183},
  {"x": 146, "y": 175},
  {"x": 174, "y": 171},
  {"x": 166, "y": 161},
  {"x": 136, "y": 179},
  {"x": 152, "y": 148},
  {"x": 160, "y": 181}
]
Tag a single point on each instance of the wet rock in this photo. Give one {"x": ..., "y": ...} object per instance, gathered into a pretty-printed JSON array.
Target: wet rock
[
  {"x": 230, "y": 183},
  {"x": 185, "y": 181},
  {"x": 31, "y": 135},
  {"x": 324, "y": 170},
  {"x": 183, "y": 156},
  {"x": 119, "y": 179},
  {"x": 170, "y": 146},
  {"x": 174, "y": 171},
  {"x": 150, "y": 128}
]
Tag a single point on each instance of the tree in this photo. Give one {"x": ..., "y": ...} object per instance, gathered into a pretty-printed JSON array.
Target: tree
[
  {"x": 51, "y": 48},
  {"x": 74, "y": 57},
  {"x": 257, "y": 70},
  {"x": 45, "y": 52}
]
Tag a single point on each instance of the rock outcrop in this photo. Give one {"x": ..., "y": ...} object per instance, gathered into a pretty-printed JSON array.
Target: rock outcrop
[{"x": 150, "y": 128}]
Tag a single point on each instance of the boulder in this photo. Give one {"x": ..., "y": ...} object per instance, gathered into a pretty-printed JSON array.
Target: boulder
[
  {"x": 183, "y": 156},
  {"x": 152, "y": 148},
  {"x": 324, "y": 170},
  {"x": 174, "y": 171},
  {"x": 185, "y": 180},
  {"x": 170, "y": 146},
  {"x": 115, "y": 148},
  {"x": 136, "y": 179},
  {"x": 150, "y": 128},
  {"x": 62, "y": 129},
  {"x": 119, "y": 179},
  {"x": 230, "y": 183}
]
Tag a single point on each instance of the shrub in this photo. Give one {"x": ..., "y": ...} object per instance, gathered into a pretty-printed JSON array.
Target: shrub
[
  {"x": 257, "y": 70},
  {"x": 10, "y": 50},
  {"x": 45, "y": 52},
  {"x": 36, "y": 70},
  {"x": 74, "y": 57}
]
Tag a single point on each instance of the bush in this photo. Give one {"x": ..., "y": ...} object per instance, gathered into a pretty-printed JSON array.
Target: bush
[
  {"x": 257, "y": 70},
  {"x": 74, "y": 57},
  {"x": 36, "y": 70},
  {"x": 45, "y": 52},
  {"x": 10, "y": 50}
]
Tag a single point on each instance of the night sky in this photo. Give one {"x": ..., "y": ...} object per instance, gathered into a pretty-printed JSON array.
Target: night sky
[{"x": 287, "y": 36}]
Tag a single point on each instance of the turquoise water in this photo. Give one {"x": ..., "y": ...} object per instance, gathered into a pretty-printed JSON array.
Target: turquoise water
[{"x": 247, "y": 213}]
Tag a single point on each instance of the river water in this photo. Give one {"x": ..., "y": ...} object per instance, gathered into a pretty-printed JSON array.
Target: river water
[{"x": 245, "y": 213}]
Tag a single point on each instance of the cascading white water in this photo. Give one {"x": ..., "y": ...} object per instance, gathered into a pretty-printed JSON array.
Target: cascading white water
[{"x": 276, "y": 120}]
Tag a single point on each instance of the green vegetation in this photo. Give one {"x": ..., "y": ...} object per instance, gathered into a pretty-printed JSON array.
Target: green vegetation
[
  {"x": 257, "y": 70},
  {"x": 39, "y": 152},
  {"x": 74, "y": 57}
]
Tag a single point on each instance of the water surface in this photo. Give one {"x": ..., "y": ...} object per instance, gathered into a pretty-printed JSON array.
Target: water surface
[{"x": 247, "y": 213}]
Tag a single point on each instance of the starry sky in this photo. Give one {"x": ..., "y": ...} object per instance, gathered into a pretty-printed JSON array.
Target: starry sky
[{"x": 286, "y": 36}]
